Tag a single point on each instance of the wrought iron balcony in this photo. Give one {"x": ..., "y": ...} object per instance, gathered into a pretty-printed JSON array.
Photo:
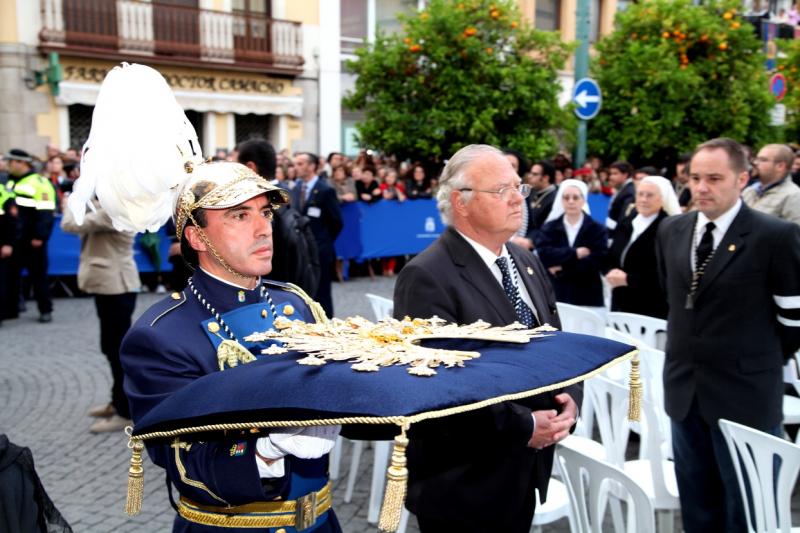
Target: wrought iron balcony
[{"x": 169, "y": 34}]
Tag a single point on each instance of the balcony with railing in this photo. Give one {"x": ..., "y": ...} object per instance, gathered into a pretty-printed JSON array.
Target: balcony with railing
[{"x": 170, "y": 34}]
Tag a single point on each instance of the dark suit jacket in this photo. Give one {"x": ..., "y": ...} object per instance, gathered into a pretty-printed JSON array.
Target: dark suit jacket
[
  {"x": 619, "y": 207},
  {"x": 475, "y": 471},
  {"x": 328, "y": 224},
  {"x": 643, "y": 294},
  {"x": 579, "y": 281},
  {"x": 729, "y": 349},
  {"x": 539, "y": 208}
]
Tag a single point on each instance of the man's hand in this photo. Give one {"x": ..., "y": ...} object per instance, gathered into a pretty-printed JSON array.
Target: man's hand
[
  {"x": 552, "y": 426},
  {"x": 36, "y": 243},
  {"x": 522, "y": 242},
  {"x": 554, "y": 270},
  {"x": 582, "y": 252},
  {"x": 5, "y": 251},
  {"x": 617, "y": 278}
]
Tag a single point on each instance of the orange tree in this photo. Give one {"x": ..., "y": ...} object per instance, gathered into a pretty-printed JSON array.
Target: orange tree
[
  {"x": 789, "y": 64},
  {"x": 673, "y": 75},
  {"x": 460, "y": 73}
]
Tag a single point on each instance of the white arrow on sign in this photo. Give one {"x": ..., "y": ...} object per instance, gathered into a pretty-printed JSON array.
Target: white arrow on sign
[{"x": 583, "y": 98}]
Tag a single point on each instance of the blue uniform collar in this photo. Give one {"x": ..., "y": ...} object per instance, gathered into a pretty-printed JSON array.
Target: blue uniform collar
[{"x": 221, "y": 295}]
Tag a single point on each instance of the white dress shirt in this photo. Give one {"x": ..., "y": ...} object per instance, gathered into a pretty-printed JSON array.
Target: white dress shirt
[
  {"x": 489, "y": 258},
  {"x": 722, "y": 223}
]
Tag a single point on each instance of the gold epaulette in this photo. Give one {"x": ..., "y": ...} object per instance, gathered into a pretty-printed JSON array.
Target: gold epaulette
[
  {"x": 179, "y": 298},
  {"x": 316, "y": 309}
]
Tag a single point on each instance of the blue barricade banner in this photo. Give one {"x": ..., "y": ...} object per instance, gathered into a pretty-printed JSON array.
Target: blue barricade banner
[
  {"x": 64, "y": 251},
  {"x": 386, "y": 228},
  {"x": 389, "y": 228}
]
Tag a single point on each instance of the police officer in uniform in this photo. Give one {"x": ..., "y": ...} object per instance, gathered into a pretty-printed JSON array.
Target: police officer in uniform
[
  {"x": 9, "y": 235},
  {"x": 223, "y": 218},
  {"x": 36, "y": 203}
]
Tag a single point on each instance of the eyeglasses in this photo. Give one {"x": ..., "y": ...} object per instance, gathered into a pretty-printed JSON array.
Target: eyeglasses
[{"x": 504, "y": 192}]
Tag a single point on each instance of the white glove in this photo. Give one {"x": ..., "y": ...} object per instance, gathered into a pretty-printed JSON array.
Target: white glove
[
  {"x": 276, "y": 469},
  {"x": 304, "y": 443}
]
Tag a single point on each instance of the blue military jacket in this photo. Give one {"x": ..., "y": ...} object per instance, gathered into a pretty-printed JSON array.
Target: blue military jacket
[{"x": 170, "y": 346}]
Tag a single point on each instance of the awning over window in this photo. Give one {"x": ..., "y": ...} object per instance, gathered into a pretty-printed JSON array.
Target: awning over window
[{"x": 86, "y": 93}]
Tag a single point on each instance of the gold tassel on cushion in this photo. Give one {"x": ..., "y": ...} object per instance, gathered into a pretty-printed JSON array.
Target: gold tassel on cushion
[
  {"x": 133, "y": 503},
  {"x": 396, "y": 484},
  {"x": 635, "y": 394}
]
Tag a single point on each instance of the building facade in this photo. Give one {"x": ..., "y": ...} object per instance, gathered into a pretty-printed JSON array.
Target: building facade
[{"x": 240, "y": 68}]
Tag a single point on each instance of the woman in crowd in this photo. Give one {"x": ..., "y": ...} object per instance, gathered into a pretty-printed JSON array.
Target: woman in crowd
[
  {"x": 344, "y": 185},
  {"x": 633, "y": 274},
  {"x": 390, "y": 188},
  {"x": 418, "y": 186},
  {"x": 280, "y": 177},
  {"x": 367, "y": 188},
  {"x": 573, "y": 247}
]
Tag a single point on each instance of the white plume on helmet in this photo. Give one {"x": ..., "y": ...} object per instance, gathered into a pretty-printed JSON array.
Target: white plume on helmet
[{"x": 134, "y": 160}]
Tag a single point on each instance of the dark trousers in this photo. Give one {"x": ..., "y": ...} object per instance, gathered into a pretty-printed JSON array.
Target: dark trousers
[
  {"x": 323, "y": 294},
  {"x": 114, "y": 312},
  {"x": 709, "y": 492},
  {"x": 35, "y": 261},
  {"x": 5, "y": 265}
]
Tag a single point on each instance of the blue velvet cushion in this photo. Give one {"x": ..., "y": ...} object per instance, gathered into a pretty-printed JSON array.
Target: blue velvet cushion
[{"x": 277, "y": 388}]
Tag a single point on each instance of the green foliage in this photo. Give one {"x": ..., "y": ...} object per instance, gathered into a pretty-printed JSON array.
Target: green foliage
[
  {"x": 461, "y": 73},
  {"x": 790, "y": 67},
  {"x": 674, "y": 75}
]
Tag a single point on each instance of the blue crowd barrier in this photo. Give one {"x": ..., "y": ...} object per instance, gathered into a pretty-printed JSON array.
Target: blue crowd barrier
[
  {"x": 389, "y": 228},
  {"x": 384, "y": 229},
  {"x": 64, "y": 251}
]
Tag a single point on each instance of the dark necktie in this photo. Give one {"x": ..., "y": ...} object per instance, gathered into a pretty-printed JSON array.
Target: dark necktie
[
  {"x": 303, "y": 191},
  {"x": 706, "y": 246},
  {"x": 524, "y": 313}
]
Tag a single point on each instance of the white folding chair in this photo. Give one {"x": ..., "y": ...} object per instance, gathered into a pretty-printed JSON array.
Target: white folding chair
[
  {"x": 651, "y": 471},
  {"x": 653, "y": 331},
  {"x": 588, "y": 481},
  {"x": 556, "y": 507},
  {"x": 381, "y": 307},
  {"x": 577, "y": 319},
  {"x": 620, "y": 372},
  {"x": 791, "y": 404},
  {"x": 762, "y": 454}
]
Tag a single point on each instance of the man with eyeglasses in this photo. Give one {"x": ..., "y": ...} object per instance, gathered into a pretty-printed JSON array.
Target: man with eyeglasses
[
  {"x": 774, "y": 193},
  {"x": 478, "y": 472}
]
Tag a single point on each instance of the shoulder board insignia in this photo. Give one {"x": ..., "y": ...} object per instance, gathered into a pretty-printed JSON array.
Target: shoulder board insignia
[
  {"x": 316, "y": 309},
  {"x": 179, "y": 298}
]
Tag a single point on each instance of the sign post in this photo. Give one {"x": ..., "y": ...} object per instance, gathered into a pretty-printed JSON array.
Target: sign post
[{"x": 587, "y": 98}]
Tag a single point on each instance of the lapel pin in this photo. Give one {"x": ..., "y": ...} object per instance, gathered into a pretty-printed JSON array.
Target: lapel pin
[
  {"x": 732, "y": 248},
  {"x": 288, "y": 310},
  {"x": 263, "y": 313},
  {"x": 530, "y": 271},
  {"x": 241, "y": 296}
]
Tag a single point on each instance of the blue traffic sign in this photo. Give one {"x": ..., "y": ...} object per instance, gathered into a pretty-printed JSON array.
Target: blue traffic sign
[{"x": 587, "y": 98}]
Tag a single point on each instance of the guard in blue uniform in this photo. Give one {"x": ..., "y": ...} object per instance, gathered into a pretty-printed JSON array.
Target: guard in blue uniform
[{"x": 274, "y": 481}]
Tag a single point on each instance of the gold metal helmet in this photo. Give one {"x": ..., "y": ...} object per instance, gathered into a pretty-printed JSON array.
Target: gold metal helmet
[{"x": 221, "y": 185}]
